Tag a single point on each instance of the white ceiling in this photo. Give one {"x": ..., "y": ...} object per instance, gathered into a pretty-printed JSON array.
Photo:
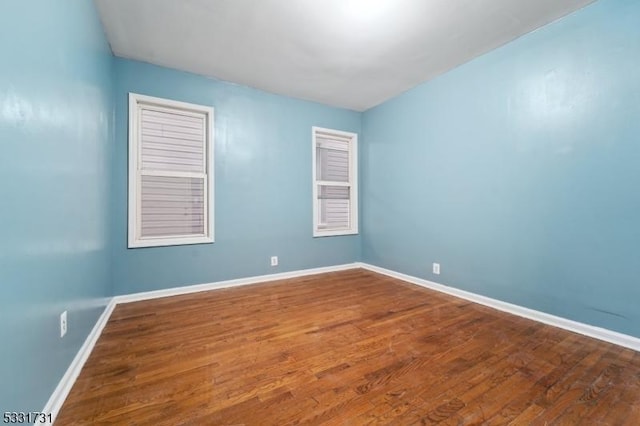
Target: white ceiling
[{"x": 347, "y": 53}]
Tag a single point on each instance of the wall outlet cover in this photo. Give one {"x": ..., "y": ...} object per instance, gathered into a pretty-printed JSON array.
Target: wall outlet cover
[{"x": 63, "y": 324}]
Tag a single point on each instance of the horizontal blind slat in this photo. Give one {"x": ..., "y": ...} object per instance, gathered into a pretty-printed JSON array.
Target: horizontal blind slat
[
  {"x": 161, "y": 153},
  {"x": 178, "y": 149},
  {"x": 178, "y": 120},
  {"x": 172, "y": 232},
  {"x": 192, "y": 117},
  {"x": 168, "y": 204},
  {"x": 173, "y": 158},
  {"x": 192, "y": 194},
  {"x": 170, "y": 127},
  {"x": 172, "y": 134},
  {"x": 173, "y": 210},
  {"x": 173, "y": 142},
  {"x": 152, "y": 165},
  {"x": 169, "y": 223},
  {"x": 333, "y": 144}
]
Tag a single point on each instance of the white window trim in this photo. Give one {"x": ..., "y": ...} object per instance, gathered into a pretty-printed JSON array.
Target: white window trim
[
  {"x": 353, "y": 181},
  {"x": 134, "y": 211}
]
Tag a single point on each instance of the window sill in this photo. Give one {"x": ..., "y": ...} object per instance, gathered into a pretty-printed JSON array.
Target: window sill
[
  {"x": 334, "y": 233},
  {"x": 164, "y": 242}
]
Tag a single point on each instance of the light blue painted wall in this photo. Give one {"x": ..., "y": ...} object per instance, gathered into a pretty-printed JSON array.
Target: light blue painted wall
[
  {"x": 55, "y": 135},
  {"x": 263, "y": 199},
  {"x": 519, "y": 172}
]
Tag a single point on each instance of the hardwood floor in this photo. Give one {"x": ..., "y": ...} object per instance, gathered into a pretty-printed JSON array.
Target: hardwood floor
[{"x": 350, "y": 347}]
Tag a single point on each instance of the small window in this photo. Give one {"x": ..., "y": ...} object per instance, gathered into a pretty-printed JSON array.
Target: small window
[
  {"x": 170, "y": 172},
  {"x": 335, "y": 189}
]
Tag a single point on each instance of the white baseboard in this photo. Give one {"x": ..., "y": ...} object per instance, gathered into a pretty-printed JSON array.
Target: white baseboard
[
  {"x": 61, "y": 391},
  {"x": 577, "y": 327},
  {"x": 175, "y": 291},
  {"x": 59, "y": 395}
]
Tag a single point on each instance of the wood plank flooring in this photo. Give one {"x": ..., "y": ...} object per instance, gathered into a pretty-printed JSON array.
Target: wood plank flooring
[{"x": 351, "y": 348}]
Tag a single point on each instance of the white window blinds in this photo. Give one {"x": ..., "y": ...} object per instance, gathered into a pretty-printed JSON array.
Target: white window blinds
[
  {"x": 335, "y": 195},
  {"x": 170, "y": 172},
  {"x": 173, "y": 141}
]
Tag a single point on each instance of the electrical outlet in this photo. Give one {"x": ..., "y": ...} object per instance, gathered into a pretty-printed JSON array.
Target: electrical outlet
[
  {"x": 63, "y": 324},
  {"x": 436, "y": 268},
  {"x": 274, "y": 260}
]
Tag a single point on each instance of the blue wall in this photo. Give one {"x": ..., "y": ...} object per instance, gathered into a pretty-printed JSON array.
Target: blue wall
[
  {"x": 263, "y": 199},
  {"x": 519, "y": 172},
  {"x": 55, "y": 136}
]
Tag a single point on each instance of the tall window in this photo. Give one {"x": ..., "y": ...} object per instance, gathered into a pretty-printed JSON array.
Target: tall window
[
  {"x": 170, "y": 172},
  {"x": 335, "y": 182}
]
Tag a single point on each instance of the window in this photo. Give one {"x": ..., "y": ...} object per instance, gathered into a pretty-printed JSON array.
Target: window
[
  {"x": 335, "y": 189},
  {"x": 170, "y": 172}
]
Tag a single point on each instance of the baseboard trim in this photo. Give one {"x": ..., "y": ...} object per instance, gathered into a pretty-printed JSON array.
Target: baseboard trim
[
  {"x": 61, "y": 391},
  {"x": 176, "y": 291},
  {"x": 564, "y": 323}
]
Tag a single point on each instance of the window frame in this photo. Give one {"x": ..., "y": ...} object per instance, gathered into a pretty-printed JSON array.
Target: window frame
[
  {"x": 352, "y": 183},
  {"x": 134, "y": 212}
]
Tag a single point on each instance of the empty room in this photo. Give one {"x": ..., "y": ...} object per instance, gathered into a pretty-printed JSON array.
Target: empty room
[{"x": 270, "y": 212}]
